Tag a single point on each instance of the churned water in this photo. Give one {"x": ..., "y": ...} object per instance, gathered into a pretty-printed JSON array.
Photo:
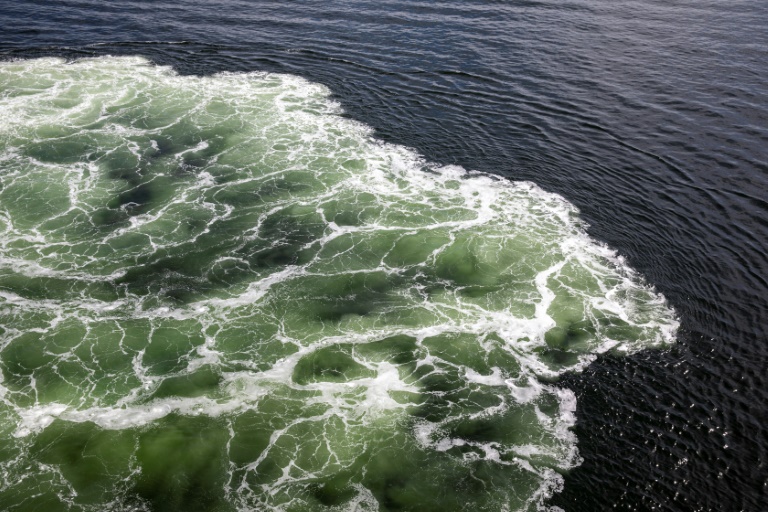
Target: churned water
[
  {"x": 219, "y": 294},
  {"x": 353, "y": 254}
]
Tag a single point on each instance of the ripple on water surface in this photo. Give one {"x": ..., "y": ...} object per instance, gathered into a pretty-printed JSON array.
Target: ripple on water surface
[{"x": 218, "y": 294}]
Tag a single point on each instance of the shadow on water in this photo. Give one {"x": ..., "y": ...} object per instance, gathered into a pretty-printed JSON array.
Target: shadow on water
[
  {"x": 183, "y": 465},
  {"x": 329, "y": 364},
  {"x": 220, "y": 258}
]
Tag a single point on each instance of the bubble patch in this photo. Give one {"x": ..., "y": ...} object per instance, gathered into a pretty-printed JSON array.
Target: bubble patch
[{"x": 216, "y": 293}]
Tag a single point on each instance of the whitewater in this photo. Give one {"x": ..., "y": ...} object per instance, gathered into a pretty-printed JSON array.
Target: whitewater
[{"x": 218, "y": 293}]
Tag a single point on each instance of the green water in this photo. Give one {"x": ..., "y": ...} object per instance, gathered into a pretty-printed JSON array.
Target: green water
[{"x": 217, "y": 294}]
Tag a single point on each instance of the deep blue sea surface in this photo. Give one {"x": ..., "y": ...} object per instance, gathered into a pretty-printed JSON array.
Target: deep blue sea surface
[{"x": 650, "y": 116}]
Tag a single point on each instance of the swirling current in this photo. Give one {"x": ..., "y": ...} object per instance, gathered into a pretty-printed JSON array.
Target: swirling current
[{"x": 217, "y": 293}]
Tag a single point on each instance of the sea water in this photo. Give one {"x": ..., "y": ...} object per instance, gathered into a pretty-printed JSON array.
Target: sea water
[{"x": 217, "y": 293}]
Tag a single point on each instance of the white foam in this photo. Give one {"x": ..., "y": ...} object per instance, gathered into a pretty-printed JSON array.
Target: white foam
[
  {"x": 407, "y": 197},
  {"x": 37, "y": 417},
  {"x": 494, "y": 379}
]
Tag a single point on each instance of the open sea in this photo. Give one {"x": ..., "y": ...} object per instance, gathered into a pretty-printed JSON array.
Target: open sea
[{"x": 384, "y": 256}]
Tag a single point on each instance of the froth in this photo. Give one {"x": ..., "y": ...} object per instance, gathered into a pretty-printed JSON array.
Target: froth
[{"x": 230, "y": 247}]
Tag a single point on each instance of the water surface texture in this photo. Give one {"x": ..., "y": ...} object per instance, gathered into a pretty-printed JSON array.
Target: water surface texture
[
  {"x": 648, "y": 116},
  {"x": 218, "y": 294}
]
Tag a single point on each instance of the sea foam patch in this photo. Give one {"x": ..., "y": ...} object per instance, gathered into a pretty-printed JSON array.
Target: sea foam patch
[{"x": 217, "y": 292}]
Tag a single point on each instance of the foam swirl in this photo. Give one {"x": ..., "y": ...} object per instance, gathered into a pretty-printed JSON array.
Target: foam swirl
[{"x": 217, "y": 290}]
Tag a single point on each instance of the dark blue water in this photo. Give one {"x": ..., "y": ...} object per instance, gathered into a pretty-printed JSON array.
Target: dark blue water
[{"x": 650, "y": 116}]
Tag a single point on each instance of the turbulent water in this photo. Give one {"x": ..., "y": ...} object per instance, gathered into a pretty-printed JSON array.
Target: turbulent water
[{"x": 217, "y": 293}]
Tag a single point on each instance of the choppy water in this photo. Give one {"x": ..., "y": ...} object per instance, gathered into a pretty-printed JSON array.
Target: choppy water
[
  {"x": 339, "y": 322},
  {"x": 650, "y": 117}
]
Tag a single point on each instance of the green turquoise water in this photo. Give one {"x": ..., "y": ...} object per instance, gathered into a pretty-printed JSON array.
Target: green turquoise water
[{"x": 218, "y": 294}]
